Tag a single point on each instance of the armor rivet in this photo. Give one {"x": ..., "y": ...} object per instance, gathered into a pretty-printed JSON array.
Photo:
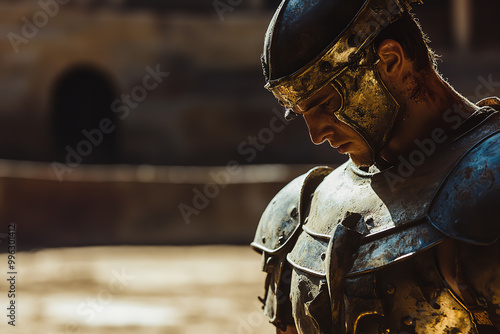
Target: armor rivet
[
  {"x": 370, "y": 222},
  {"x": 325, "y": 66},
  {"x": 294, "y": 213},
  {"x": 390, "y": 289},
  {"x": 352, "y": 40},
  {"x": 281, "y": 240},
  {"x": 323, "y": 256},
  {"x": 408, "y": 321},
  {"x": 271, "y": 262},
  {"x": 263, "y": 240}
]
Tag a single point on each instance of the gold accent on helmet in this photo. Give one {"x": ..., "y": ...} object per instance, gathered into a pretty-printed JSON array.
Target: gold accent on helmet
[{"x": 367, "y": 105}]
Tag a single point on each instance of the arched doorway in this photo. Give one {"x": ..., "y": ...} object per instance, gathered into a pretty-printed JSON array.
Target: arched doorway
[{"x": 81, "y": 102}]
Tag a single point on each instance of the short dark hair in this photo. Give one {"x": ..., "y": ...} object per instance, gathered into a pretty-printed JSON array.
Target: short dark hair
[{"x": 408, "y": 33}]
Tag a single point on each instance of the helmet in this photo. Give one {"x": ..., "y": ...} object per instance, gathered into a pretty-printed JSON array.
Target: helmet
[{"x": 312, "y": 43}]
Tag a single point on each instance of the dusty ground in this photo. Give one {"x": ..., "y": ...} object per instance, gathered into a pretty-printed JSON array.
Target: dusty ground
[{"x": 136, "y": 290}]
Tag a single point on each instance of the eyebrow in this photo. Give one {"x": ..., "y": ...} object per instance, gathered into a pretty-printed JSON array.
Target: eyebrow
[{"x": 315, "y": 103}]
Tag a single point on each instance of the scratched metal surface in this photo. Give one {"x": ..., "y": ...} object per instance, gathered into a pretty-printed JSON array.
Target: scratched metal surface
[{"x": 466, "y": 207}]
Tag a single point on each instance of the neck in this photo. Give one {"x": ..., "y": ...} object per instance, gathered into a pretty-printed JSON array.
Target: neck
[{"x": 429, "y": 106}]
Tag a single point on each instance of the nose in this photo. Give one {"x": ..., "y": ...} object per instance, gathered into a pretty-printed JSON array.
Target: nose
[{"x": 319, "y": 127}]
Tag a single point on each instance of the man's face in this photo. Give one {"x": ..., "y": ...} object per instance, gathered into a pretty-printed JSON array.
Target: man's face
[{"x": 318, "y": 112}]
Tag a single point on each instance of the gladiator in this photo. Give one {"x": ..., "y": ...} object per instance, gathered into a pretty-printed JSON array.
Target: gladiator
[{"x": 403, "y": 237}]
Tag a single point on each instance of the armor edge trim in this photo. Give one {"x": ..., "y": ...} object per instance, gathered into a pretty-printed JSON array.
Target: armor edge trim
[{"x": 304, "y": 269}]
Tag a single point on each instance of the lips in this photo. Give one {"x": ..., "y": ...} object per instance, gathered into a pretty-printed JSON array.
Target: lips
[{"x": 342, "y": 149}]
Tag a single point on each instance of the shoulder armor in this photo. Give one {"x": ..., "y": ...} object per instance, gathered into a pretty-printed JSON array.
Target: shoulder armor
[
  {"x": 276, "y": 235},
  {"x": 465, "y": 206},
  {"x": 281, "y": 219},
  {"x": 396, "y": 216}
]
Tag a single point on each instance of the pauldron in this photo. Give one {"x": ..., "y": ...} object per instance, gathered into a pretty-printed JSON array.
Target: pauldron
[{"x": 276, "y": 234}]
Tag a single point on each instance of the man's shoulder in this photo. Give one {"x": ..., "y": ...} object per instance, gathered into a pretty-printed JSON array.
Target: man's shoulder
[
  {"x": 282, "y": 217},
  {"x": 466, "y": 205}
]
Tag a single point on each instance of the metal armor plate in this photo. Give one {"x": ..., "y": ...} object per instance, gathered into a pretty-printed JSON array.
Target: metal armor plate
[
  {"x": 408, "y": 297},
  {"x": 309, "y": 255},
  {"x": 276, "y": 235},
  {"x": 281, "y": 218},
  {"x": 465, "y": 207}
]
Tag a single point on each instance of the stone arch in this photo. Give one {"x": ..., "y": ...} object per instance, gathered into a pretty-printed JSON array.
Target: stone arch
[{"x": 80, "y": 102}]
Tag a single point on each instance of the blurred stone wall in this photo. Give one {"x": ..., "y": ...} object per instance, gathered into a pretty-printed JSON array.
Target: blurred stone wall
[
  {"x": 207, "y": 83},
  {"x": 137, "y": 204}
]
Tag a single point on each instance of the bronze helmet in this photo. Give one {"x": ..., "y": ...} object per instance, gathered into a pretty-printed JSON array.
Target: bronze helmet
[{"x": 312, "y": 43}]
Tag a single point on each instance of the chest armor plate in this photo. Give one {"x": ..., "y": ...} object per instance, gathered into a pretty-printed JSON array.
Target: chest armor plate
[{"x": 407, "y": 297}]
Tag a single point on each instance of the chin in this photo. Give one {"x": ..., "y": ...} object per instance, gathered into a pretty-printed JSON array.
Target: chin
[{"x": 361, "y": 161}]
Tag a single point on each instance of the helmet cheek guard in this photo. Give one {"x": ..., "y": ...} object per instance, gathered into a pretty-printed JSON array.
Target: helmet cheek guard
[
  {"x": 348, "y": 63},
  {"x": 367, "y": 105}
]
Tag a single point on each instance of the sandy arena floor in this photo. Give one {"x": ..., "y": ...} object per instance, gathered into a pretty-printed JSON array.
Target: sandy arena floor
[{"x": 136, "y": 290}]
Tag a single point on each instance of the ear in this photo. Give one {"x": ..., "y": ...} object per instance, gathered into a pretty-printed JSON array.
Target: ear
[{"x": 392, "y": 60}]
